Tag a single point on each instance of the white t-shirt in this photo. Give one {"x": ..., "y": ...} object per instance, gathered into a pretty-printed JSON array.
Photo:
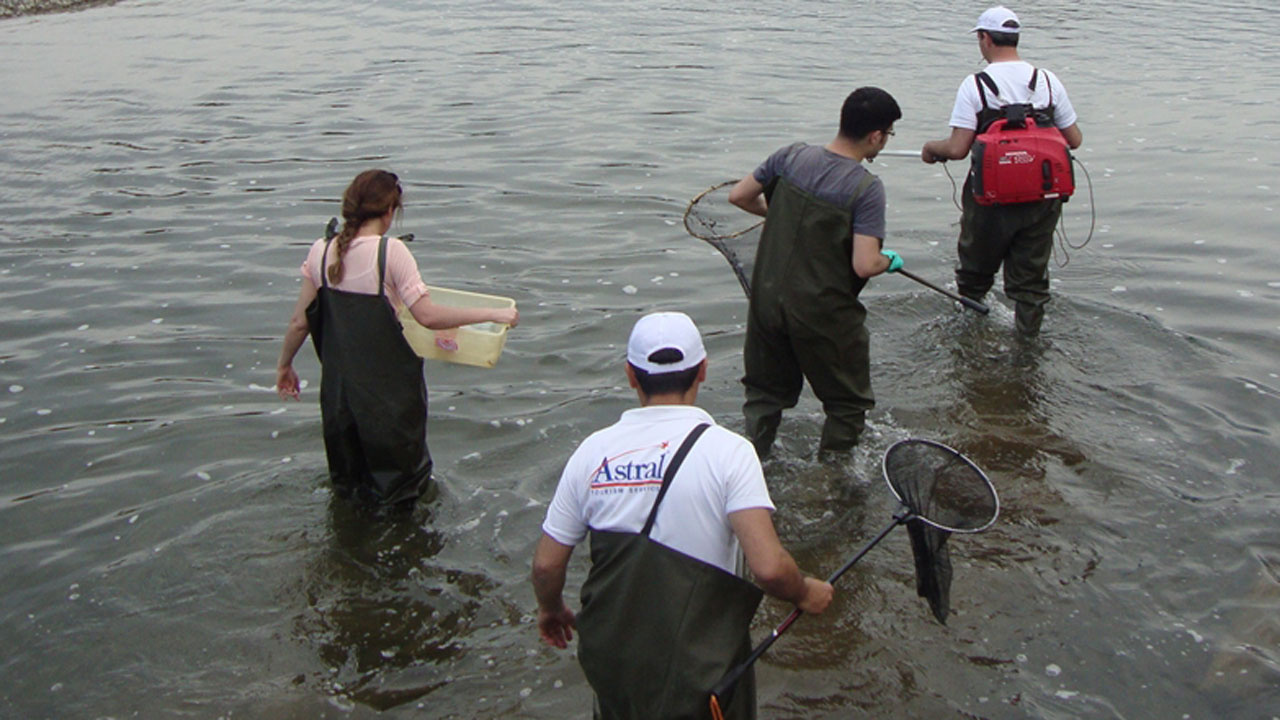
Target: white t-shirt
[
  {"x": 612, "y": 479},
  {"x": 1011, "y": 80}
]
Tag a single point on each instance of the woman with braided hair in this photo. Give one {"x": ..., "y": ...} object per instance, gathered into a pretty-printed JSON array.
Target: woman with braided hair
[{"x": 373, "y": 398}]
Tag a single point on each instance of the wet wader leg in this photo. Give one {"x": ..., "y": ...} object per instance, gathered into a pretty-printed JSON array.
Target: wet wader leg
[
  {"x": 981, "y": 246},
  {"x": 343, "y": 450},
  {"x": 1026, "y": 266},
  {"x": 836, "y": 360},
  {"x": 773, "y": 383}
]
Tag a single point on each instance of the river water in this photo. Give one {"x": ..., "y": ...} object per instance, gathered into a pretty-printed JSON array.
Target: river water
[{"x": 168, "y": 545}]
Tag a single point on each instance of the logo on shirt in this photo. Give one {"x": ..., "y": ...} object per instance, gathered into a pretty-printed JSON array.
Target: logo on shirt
[{"x": 623, "y": 470}]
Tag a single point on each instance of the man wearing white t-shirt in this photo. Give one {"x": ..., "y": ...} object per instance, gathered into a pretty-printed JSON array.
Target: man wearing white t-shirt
[
  {"x": 670, "y": 501},
  {"x": 1019, "y": 236}
]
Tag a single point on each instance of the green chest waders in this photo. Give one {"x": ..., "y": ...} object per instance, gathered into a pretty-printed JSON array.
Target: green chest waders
[
  {"x": 658, "y": 628},
  {"x": 804, "y": 265},
  {"x": 373, "y": 398},
  {"x": 805, "y": 320}
]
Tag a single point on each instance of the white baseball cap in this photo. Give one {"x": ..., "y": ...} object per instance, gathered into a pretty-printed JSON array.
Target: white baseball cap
[
  {"x": 998, "y": 19},
  {"x": 665, "y": 331}
]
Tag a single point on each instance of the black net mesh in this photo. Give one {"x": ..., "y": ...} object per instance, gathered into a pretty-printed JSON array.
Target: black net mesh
[
  {"x": 940, "y": 485},
  {"x": 726, "y": 227},
  {"x": 933, "y": 566},
  {"x": 945, "y": 492}
]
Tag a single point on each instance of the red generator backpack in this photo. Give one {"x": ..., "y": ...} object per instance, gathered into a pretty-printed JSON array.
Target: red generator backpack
[{"x": 1019, "y": 156}]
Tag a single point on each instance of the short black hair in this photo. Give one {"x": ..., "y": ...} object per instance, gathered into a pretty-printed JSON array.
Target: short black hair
[
  {"x": 866, "y": 110},
  {"x": 1002, "y": 39},
  {"x": 669, "y": 382}
]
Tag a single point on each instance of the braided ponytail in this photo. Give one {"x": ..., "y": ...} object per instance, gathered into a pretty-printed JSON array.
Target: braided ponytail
[{"x": 368, "y": 197}]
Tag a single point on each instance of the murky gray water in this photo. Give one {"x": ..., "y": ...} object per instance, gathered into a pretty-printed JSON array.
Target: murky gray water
[{"x": 169, "y": 546}]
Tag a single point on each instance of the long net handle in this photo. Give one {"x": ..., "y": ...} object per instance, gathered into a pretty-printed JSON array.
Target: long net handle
[
  {"x": 967, "y": 302},
  {"x": 732, "y": 676}
]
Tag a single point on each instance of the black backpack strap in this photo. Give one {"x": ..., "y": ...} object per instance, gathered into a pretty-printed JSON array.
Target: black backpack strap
[
  {"x": 1035, "y": 74},
  {"x": 676, "y": 461},
  {"x": 382, "y": 265}
]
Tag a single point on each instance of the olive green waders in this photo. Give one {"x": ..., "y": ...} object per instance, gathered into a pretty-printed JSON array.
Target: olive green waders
[
  {"x": 373, "y": 398},
  {"x": 1019, "y": 236},
  {"x": 658, "y": 629},
  {"x": 805, "y": 320}
]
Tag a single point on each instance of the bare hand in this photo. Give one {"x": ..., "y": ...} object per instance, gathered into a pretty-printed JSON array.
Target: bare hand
[
  {"x": 508, "y": 316},
  {"x": 287, "y": 383},
  {"x": 556, "y": 627},
  {"x": 817, "y": 596}
]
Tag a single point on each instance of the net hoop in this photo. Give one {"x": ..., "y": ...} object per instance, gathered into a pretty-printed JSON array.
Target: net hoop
[
  {"x": 704, "y": 235},
  {"x": 991, "y": 488}
]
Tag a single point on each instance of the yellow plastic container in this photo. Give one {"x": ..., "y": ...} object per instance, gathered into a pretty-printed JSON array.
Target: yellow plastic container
[{"x": 478, "y": 345}]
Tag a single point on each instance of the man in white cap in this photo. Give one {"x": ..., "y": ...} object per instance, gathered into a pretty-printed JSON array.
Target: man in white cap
[
  {"x": 671, "y": 502},
  {"x": 1019, "y": 236}
]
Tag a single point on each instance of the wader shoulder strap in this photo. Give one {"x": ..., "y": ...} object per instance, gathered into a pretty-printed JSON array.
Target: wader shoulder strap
[
  {"x": 676, "y": 461},
  {"x": 1031, "y": 85},
  {"x": 382, "y": 265},
  {"x": 1043, "y": 116},
  {"x": 324, "y": 261},
  {"x": 981, "y": 79},
  {"x": 863, "y": 184}
]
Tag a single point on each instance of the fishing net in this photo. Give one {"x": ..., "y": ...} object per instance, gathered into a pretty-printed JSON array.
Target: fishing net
[
  {"x": 944, "y": 493},
  {"x": 730, "y": 229},
  {"x": 941, "y": 492}
]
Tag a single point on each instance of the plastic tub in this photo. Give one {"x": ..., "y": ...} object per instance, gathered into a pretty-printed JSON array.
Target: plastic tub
[{"x": 479, "y": 345}]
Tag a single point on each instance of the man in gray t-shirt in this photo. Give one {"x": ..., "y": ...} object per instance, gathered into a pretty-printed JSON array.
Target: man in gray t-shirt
[{"x": 823, "y": 236}]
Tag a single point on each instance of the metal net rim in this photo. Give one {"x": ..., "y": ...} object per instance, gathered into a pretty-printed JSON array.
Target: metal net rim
[
  {"x": 991, "y": 488},
  {"x": 709, "y": 234}
]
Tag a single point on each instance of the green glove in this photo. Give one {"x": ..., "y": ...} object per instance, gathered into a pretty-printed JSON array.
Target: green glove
[{"x": 895, "y": 260}]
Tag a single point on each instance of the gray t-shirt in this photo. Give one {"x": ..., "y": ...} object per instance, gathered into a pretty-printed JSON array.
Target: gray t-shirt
[{"x": 829, "y": 176}]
